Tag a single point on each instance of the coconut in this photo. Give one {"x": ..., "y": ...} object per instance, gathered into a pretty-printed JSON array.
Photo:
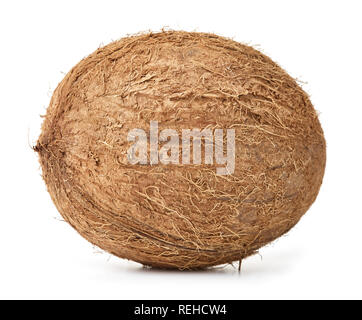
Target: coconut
[{"x": 177, "y": 215}]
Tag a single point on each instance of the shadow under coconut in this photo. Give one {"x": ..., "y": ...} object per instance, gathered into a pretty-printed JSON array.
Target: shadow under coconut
[
  {"x": 274, "y": 263},
  {"x": 224, "y": 269}
]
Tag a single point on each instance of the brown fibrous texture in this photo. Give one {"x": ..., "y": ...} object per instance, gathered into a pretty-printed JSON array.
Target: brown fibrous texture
[{"x": 181, "y": 216}]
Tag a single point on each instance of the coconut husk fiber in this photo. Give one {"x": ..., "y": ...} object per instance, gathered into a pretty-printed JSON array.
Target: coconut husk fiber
[{"x": 180, "y": 216}]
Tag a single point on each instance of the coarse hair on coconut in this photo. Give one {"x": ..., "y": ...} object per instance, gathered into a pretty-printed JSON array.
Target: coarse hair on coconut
[{"x": 176, "y": 215}]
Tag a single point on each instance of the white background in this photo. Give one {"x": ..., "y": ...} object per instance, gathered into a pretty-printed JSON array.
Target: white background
[{"x": 315, "y": 41}]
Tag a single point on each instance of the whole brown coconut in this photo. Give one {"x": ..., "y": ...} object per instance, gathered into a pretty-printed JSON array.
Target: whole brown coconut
[{"x": 176, "y": 215}]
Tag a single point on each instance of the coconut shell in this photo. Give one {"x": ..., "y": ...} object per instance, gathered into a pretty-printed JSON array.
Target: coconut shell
[{"x": 175, "y": 215}]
